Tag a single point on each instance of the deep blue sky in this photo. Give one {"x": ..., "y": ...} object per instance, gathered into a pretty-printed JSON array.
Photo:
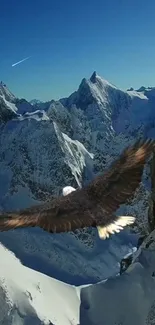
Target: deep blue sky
[{"x": 70, "y": 39}]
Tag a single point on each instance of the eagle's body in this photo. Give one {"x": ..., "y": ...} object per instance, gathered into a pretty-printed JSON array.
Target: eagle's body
[{"x": 93, "y": 205}]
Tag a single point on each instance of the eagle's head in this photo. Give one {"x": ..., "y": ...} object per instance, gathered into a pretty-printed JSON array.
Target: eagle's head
[{"x": 67, "y": 190}]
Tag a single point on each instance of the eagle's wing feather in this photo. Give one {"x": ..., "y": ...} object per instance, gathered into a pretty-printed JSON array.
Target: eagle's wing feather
[
  {"x": 119, "y": 183},
  {"x": 64, "y": 213}
]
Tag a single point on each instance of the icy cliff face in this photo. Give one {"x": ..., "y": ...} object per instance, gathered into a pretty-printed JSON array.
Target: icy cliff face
[{"x": 37, "y": 158}]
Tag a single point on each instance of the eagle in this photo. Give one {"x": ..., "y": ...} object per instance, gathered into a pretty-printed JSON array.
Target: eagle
[{"x": 93, "y": 205}]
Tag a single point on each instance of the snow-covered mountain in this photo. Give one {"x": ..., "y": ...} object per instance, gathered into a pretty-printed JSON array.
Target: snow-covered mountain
[
  {"x": 29, "y": 297},
  {"x": 67, "y": 142}
]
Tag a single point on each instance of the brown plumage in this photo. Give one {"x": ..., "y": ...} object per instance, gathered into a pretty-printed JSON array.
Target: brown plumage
[{"x": 93, "y": 205}]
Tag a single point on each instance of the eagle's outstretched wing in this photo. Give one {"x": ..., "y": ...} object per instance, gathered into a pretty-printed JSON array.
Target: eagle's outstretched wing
[
  {"x": 93, "y": 205},
  {"x": 117, "y": 185}
]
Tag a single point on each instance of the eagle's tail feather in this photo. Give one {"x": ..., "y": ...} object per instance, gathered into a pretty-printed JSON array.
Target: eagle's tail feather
[{"x": 115, "y": 227}]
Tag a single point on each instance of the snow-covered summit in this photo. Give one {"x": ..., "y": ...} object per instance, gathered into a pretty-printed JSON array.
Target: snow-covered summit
[
  {"x": 5, "y": 92},
  {"x": 8, "y": 108},
  {"x": 95, "y": 78},
  {"x": 11, "y": 106},
  {"x": 90, "y": 90}
]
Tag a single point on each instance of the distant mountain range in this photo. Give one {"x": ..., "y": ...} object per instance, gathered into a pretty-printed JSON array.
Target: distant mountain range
[{"x": 35, "y": 102}]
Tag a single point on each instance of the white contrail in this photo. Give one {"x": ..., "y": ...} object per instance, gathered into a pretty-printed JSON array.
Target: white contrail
[{"x": 13, "y": 65}]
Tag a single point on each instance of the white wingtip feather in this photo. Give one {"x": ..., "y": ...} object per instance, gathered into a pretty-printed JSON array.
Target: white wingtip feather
[{"x": 115, "y": 227}]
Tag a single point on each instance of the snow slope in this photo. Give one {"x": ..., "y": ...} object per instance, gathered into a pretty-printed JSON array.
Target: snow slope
[{"x": 29, "y": 297}]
